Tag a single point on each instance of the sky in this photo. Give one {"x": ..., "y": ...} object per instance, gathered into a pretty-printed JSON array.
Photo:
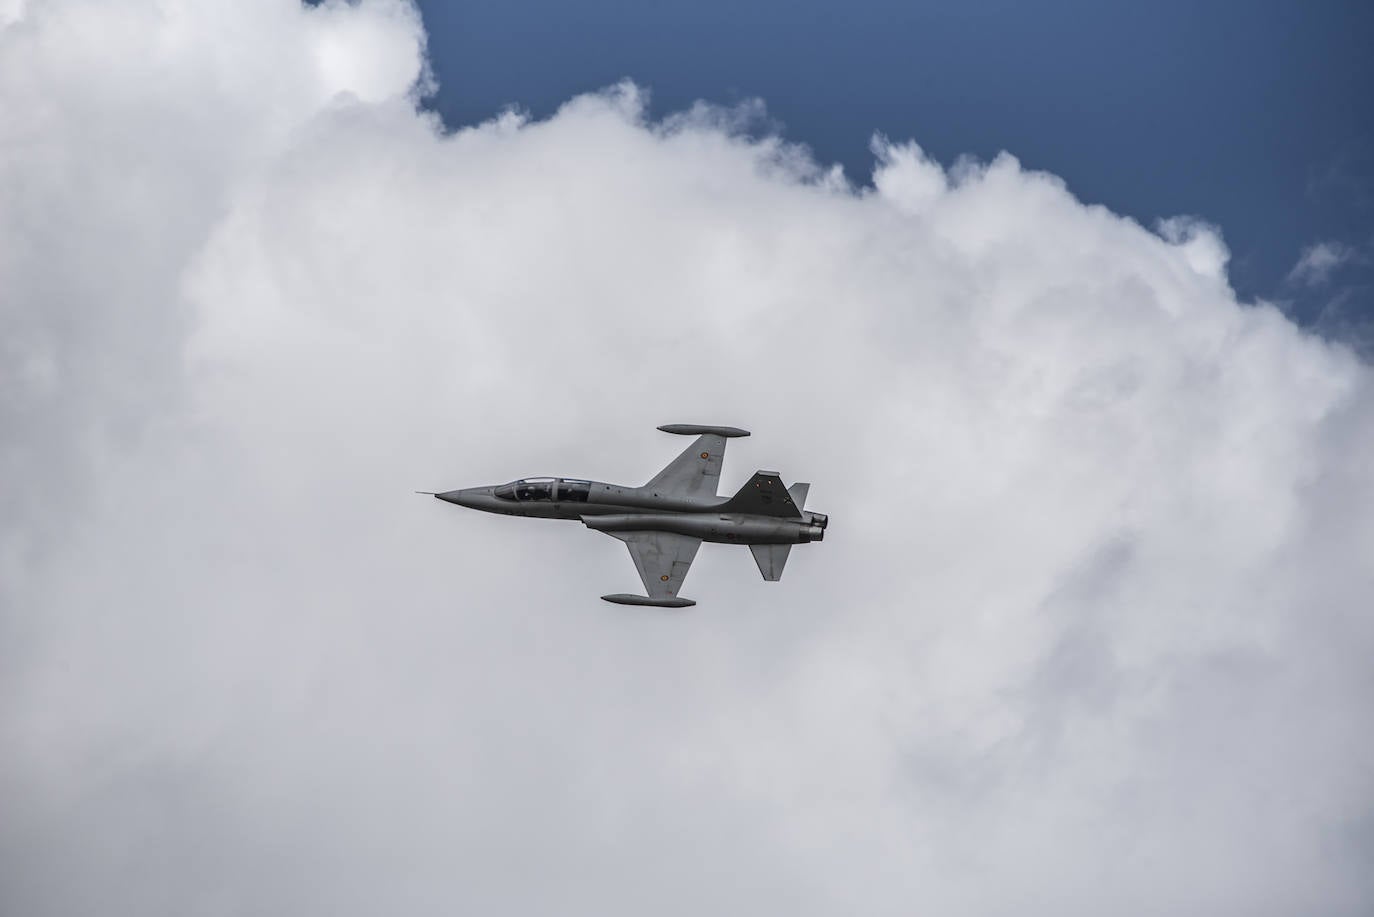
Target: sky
[
  {"x": 1089, "y": 629},
  {"x": 1253, "y": 116}
]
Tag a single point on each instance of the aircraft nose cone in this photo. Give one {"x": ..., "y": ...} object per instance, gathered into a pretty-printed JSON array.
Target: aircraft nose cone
[{"x": 471, "y": 497}]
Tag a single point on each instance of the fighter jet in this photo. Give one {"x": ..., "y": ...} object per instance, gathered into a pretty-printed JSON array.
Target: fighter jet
[{"x": 666, "y": 520}]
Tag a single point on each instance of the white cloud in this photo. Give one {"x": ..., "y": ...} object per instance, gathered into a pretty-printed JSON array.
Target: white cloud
[
  {"x": 1200, "y": 242},
  {"x": 1090, "y": 631},
  {"x": 1319, "y": 260}
]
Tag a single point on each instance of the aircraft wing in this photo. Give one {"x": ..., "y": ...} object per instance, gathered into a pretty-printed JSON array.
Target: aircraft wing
[
  {"x": 663, "y": 560},
  {"x": 696, "y": 472}
]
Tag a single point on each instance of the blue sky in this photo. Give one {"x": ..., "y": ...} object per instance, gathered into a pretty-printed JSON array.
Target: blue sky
[{"x": 1255, "y": 116}]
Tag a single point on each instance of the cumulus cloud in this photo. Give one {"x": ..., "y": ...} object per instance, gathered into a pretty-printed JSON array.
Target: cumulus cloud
[{"x": 1090, "y": 631}]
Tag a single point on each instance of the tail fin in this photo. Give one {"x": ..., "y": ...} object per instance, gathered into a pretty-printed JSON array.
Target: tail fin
[
  {"x": 771, "y": 558},
  {"x": 798, "y": 494},
  {"x": 763, "y": 495}
]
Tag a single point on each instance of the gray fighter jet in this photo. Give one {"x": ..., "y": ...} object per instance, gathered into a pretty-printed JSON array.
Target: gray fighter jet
[{"x": 666, "y": 520}]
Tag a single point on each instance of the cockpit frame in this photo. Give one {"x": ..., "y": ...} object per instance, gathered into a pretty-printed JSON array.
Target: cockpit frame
[{"x": 545, "y": 490}]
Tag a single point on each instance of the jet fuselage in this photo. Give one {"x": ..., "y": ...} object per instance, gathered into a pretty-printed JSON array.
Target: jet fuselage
[
  {"x": 664, "y": 522},
  {"x": 613, "y": 508}
]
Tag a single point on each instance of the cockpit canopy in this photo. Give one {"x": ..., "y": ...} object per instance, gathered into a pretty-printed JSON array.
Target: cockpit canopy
[{"x": 547, "y": 490}]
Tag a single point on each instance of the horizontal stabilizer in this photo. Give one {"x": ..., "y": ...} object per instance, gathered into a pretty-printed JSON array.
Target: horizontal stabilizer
[
  {"x": 693, "y": 429},
  {"x": 798, "y": 494},
  {"x": 622, "y": 598},
  {"x": 763, "y": 495},
  {"x": 771, "y": 558}
]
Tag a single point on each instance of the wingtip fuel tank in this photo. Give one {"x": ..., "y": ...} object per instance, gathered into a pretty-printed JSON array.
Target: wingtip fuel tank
[
  {"x": 693, "y": 429},
  {"x": 623, "y": 598}
]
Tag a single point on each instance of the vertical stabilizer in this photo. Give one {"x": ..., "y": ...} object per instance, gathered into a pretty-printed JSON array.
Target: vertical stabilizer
[
  {"x": 798, "y": 493},
  {"x": 763, "y": 495}
]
